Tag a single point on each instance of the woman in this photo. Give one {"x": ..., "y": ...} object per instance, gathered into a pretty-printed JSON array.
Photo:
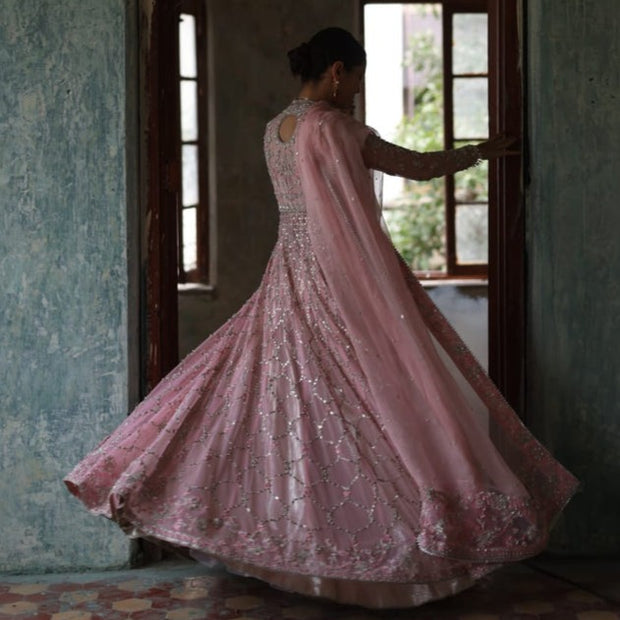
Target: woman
[{"x": 335, "y": 437}]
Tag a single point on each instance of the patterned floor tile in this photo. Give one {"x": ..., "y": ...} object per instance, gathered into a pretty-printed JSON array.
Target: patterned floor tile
[
  {"x": 243, "y": 602},
  {"x": 131, "y": 604},
  {"x": 187, "y": 591},
  {"x": 534, "y": 607},
  {"x": 19, "y": 608},
  {"x": 189, "y": 613},
  {"x": 189, "y": 594},
  {"x": 72, "y": 615},
  {"x": 26, "y": 589}
]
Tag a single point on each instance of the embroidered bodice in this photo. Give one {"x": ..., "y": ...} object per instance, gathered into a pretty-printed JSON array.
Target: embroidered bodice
[
  {"x": 377, "y": 155},
  {"x": 335, "y": 432},
  {"x": 281, "y": 159}
]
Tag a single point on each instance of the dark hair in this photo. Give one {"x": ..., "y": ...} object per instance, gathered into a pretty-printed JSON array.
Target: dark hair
[{"x": 310, "y": 60}]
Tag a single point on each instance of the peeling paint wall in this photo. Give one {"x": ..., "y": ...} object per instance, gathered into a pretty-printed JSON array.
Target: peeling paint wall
[
  {"x": 573, "y": 206},
  {"x": 64, "y": 299}
]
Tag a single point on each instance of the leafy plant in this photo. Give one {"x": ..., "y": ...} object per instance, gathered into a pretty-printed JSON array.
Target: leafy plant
[{"x": 417, "y": 219}]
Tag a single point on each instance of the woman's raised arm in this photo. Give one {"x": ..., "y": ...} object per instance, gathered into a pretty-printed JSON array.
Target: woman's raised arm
[{"x": 396, "y": 160}]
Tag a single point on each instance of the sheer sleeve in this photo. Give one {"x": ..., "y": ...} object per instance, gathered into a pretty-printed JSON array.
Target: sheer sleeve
[{"x": 396, "y": 160}]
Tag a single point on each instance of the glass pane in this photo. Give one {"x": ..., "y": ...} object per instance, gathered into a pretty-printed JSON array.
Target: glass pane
[
  {"x": 472, "y": 234},
  {"x": 471, "y": 109},
  {"x": 417, "y": 227},
  {"x": 469, "y": 43},
  {"x": 190, "y": 174},
  {"x": 472, "y": 185},
  {"x": 403, "y": 98},
  {"x": 189, "y": 111},
  {"x": 187, "y": 45},
  {"x": 190, "y": 240},
  {"x": 404, "y": 103}
]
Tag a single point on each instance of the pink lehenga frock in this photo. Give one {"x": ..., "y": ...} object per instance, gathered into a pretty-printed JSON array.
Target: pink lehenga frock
[{"x": 334, "y": 437}]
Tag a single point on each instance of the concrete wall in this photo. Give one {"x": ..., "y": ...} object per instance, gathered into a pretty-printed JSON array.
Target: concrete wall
[
  {"x": 65, "y": 186},
  {"x": 573, "y": 219}
]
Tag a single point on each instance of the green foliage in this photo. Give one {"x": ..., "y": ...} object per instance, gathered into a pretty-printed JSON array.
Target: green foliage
[
  {"x": 417, "y": 230},
  {"x": 417, "y": 221}
]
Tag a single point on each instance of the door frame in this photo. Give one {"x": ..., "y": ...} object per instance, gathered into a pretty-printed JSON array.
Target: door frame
[
  {"x": 507, "y": 221},
  {"x": 506, "y": 263},
  {"x": 506, "y": 284},
  {"x": 163, "y": 180}
]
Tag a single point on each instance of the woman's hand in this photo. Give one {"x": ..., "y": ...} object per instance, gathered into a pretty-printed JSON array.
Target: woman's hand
[{"x": 497, "y": 146}]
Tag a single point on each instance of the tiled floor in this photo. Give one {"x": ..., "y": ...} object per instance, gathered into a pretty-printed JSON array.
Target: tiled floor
[{"x": 180, "y": 590}]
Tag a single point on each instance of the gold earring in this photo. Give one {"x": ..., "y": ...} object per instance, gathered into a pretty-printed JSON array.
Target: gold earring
[{"x": 335, "y": 89}]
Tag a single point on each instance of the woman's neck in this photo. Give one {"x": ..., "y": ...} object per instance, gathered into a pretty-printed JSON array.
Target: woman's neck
[{"x": 316, "y": 91}]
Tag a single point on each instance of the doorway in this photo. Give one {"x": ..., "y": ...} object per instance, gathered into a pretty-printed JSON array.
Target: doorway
[
  {"x": 446, "y": 74},
  {"x": 504, "y": 268}
]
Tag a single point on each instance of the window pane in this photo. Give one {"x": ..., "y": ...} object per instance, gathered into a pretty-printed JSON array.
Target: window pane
[
  {"x": 404, "y": 103},
  {"x": 471, "y": 112},
  {"x": 472, "y": 234},
  {"x": 417, "y": 227},
  {"x": 190, "y": 174},
  {"x": 472, "y": 185},
  {"x": 190, "y": 241},
  {"x": 187, "y": 45},
  {"x": 189, "y": 111},
  {"x": 469, "y": 43}
]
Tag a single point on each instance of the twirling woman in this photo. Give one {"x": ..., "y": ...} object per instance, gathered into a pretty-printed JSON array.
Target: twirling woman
[{"x": 335, "y": 437}]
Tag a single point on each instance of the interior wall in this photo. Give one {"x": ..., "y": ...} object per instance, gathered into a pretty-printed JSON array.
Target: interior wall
[
  {"x": 251, "y": 84},
  {"x": 573, "y": 290},
  {"x": 467, "y": 309},
  {"x": 65, "y": 182}
]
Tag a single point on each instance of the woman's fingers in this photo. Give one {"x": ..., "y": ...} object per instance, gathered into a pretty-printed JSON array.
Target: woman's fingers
[{"x": 498, "y": 146}]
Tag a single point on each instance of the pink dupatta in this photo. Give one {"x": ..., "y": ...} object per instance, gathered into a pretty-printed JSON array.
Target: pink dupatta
[{"x": 488, "y": 490}]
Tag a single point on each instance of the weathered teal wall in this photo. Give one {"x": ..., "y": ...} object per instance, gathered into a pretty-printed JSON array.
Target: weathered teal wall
[
  {"x": 65, "y": 178},
  {"x": 573, "y": 206}
]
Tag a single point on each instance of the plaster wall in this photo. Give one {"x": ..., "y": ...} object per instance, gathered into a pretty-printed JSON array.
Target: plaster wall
[
  {"x": 573, "y": 262},
  {"x": 65, "y": 301}
]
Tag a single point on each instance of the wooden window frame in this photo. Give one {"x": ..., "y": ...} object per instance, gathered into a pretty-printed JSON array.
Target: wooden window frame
[
  {"x": 454, "y": 270},
  {"x": 506, "y": 259},
  {"x": 201, "y": 273},
  {"x": 451, "y": 8},
  {"x": 507, "y": 220},
  {"x": 162, "y": 182},
  {"x": 161, "y": 169}
]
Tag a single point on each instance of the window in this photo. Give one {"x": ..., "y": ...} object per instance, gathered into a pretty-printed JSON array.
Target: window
[
  {"x": 175, "y": 149},
  {"x": 427, "y": 89},
  {"x": 505, "y": 216},
  {"x": 192, "y": 206}
]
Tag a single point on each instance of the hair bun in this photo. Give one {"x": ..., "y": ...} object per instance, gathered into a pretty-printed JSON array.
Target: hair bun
[{"x": 300, "y": 59}]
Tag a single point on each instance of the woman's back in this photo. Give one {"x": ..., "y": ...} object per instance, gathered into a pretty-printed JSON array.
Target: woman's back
[{"x": 280, "y": 144}]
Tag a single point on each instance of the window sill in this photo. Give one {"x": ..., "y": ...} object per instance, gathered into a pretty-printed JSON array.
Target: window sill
[
  {"x": 460, "y": 282},
  {"x": 195, "y": 289}
]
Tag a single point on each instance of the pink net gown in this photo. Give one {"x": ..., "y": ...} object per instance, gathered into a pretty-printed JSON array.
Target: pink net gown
[{"x": 335, "y": 437}]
